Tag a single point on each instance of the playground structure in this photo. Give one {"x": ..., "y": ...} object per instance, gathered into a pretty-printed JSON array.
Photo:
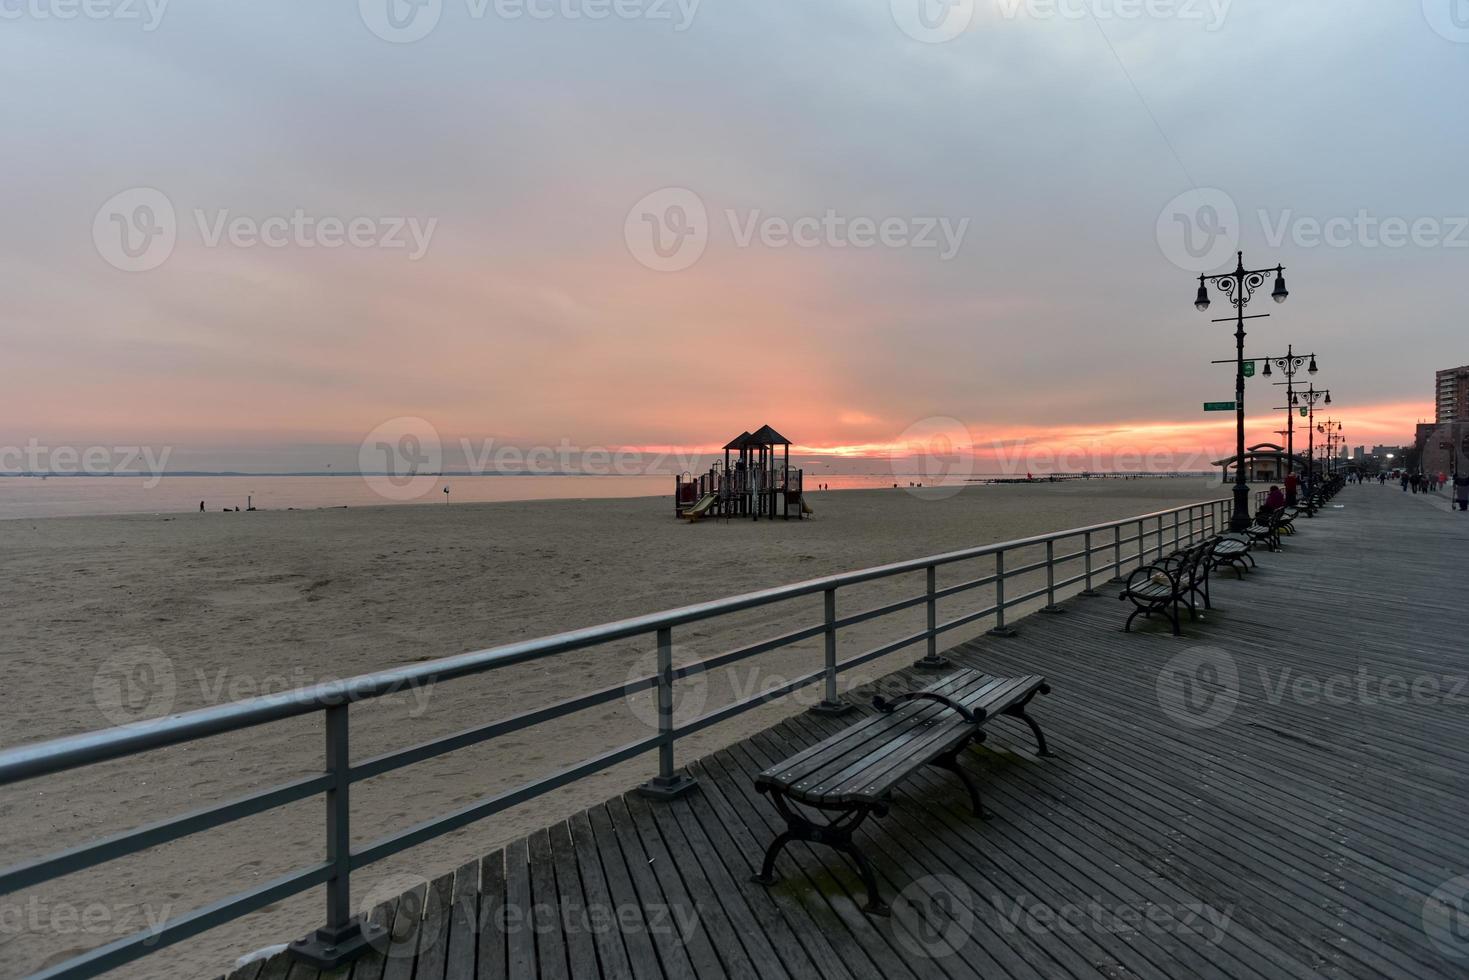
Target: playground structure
[{"x": 755, "y": 480}]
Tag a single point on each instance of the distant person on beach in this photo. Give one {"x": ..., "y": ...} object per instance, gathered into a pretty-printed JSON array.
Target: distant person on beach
[
  {"x": 1461, "y": 491},
  {"x": 1292, "y": 489},
  {"x": 201, "y": 506}
]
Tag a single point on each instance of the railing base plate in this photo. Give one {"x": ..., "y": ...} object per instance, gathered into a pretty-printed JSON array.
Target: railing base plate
[
  {"x": 661, "y": 788},
  {"x": 1003, "y": 631},
  {"x": 1053, "y": 610},
  {"x": 327, "y": 949},
  {"x": 830, "y": 709},
  {"x": 1090, "y": 594},
  {"x": 933, "y": 663}
]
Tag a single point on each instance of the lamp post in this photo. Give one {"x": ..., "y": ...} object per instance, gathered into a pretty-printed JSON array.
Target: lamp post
[
  {"x": 1290, "y": 364},
  {"x": 1239, "y": 286},
  {"x": 1310, "y": 396},
  {"x": 1330, "y": 428}
]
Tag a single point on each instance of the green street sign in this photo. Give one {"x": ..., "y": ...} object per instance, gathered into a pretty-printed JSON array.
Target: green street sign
[
  {"x": 1305, "y": 412},
  {"x": 1218, "y": 406},
  {"x": 1249, "y": 370}
]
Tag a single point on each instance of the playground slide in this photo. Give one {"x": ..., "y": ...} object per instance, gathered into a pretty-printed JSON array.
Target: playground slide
[
  {"x": 702, "y": 507},
  {"x": 805, "y": 507}
]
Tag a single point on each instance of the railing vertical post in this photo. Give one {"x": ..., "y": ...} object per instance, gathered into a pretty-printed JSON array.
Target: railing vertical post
[
  {"x": 1117, "y": 575},
  {"x": 931, "y": 659},
  {"x": 345, "y": 936},
  {"x": 1175, "y": 530},
  {"x": 338, "y": 818},
  {"x": 1051, "y": 606},
  {"x": 830, "y": 704},
  {"x": 1089, "y": 591},
  {"x": 1000, "y": 628},
  {"x": 1142, "y": 545},
  {"x": 667, "y": 784}
]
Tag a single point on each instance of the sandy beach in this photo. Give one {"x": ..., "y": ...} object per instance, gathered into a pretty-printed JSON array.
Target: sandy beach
[{"x": 115, "y": 618}]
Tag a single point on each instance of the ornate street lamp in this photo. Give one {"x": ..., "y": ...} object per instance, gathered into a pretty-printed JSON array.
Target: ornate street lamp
[
  {"x": 1310, "y": 396},
  {"x": 1239, "y": 286},
  {"x": 1290, "y": 364},
  {"x": 1332, "y": 429}
]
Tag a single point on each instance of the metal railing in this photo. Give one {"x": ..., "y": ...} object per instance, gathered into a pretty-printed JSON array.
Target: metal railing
[{"x": 1104, "y": 549}]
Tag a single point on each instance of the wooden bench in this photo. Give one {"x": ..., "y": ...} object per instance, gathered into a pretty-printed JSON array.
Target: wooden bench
[
  {"x": 1169, "y": 584},
  {"x": 1266, "y": 529},
  {"x": 1287, "y": 522},
  {"x": 851, "y": 775},
  {"x": 1233, "y": 550}
]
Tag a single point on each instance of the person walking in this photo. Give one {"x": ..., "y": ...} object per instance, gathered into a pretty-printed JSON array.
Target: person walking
[
  {"x": 1461, "y": 491},
  {"x": 1292, "y": 489}
]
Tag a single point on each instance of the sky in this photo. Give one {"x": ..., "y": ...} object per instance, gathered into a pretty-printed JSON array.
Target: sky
[{"x": 263, "y": 234}]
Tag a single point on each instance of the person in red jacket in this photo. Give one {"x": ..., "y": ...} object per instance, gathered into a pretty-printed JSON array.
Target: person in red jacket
[{"x": 1292, "y": 488}]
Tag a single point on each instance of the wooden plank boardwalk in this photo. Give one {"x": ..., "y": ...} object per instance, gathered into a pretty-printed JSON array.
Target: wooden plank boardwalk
[{"x": 1278, "y": 793}]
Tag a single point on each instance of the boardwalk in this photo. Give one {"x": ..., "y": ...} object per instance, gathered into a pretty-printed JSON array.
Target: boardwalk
[{"x": 1292, "y": 823}]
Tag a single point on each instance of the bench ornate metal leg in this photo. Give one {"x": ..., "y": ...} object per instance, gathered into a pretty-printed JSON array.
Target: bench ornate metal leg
[
  {"x": 836, "y": 834},
  {"x": 949, "y": 762},
  {"x": 1018, "y": 711}
]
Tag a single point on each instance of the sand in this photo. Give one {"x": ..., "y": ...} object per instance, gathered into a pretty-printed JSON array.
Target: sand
[{"x": 110, "y": 619}]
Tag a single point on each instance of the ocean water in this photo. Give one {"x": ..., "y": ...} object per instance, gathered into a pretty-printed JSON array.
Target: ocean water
[
  {"x": 74, "y": 496},
  {"x": 81, "y": 496}
]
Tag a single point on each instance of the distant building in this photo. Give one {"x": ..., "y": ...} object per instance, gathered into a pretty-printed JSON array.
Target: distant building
[
  {"x": 1383, "y": 458},
  {"x": 1451, "y": 395}
]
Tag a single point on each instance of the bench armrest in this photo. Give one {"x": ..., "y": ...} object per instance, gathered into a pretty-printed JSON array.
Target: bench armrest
[
  {"x": 887, "y": 706},
  {"x": 1148, "y": 571}
]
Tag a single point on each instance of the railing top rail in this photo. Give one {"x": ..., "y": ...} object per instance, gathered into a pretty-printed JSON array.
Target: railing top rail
[{"x": 57, "y": 755}]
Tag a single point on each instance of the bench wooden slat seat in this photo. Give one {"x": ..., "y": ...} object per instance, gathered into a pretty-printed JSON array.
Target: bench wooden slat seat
[
  {"x": 1232, "y": 550},
  {"x": 1266, "y": 529},
  {"x": 851, "y": 775}
]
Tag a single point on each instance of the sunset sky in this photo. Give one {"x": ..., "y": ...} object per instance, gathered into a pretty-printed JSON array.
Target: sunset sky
[{"x": 529, "y": 153}]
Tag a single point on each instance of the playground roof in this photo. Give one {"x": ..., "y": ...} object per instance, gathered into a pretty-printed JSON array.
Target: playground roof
[
  {"x": 739, "y": 441},
  {"x": 766, "y": 436}
]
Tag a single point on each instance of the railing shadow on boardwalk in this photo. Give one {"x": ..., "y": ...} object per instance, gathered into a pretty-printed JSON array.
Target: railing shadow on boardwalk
[{"x": 1297, "y": 813}]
